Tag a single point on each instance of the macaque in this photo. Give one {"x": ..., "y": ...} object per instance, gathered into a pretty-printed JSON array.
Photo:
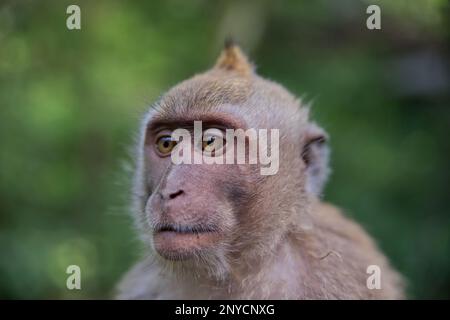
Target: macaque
[{"x": 227, "y": 231}]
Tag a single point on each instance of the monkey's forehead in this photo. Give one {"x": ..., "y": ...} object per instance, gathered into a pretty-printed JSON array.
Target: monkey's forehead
[
  {"x": 217, "y": 87},
  {"x": 208, "y": 89},
  {"x": 254, "y": 100}
]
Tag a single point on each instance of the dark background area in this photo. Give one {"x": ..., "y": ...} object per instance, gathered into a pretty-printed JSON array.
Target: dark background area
[{"x": 70, "y": 103}]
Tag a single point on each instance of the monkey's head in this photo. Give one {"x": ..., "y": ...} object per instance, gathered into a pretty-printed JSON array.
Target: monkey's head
[{"x": 218, "y": 216}]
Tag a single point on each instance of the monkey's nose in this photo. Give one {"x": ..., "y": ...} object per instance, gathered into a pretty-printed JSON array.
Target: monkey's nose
[{"x": 176, "y": 194}]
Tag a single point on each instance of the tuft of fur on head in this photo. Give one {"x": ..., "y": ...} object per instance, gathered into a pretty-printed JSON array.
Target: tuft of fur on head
[{"x": 232, "y": 58}]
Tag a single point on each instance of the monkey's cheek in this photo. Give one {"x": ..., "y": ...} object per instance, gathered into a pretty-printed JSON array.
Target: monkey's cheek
[{"x": 179, "y": 246}]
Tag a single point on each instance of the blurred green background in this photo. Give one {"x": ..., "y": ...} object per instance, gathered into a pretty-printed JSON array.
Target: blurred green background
[{"x": 70, "y": 103}]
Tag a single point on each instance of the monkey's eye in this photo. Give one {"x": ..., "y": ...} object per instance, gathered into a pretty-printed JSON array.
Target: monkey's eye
[
  {"x": 213, "y": 141},
  {"x": 165, "y": 144}
]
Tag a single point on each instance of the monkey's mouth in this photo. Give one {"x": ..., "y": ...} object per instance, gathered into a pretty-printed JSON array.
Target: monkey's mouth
[
  {"x": 177, "y": 242},
  {"x": 199, "y": 228}
]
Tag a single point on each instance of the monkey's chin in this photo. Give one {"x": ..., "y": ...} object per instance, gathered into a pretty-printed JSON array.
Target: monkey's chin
[{"x": 173, "y": 245}]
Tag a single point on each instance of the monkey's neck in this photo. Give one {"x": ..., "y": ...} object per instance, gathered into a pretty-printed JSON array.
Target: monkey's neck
[{"x": 274, "y": 277}]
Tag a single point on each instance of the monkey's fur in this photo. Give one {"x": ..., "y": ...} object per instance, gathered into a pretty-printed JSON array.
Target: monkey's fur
[{"x": 277, "y": 240}]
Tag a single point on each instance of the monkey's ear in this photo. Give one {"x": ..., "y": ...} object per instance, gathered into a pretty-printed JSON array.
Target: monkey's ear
[
  {"x": 315, "y": 154},
  {"x": 232, "y": 58}
]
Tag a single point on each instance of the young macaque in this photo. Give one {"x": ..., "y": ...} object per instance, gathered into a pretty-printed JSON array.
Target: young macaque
[{"x": 226, "y": 231}]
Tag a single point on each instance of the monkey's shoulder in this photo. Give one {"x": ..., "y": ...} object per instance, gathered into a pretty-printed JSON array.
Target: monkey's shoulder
[
  {"x": 344, "y": 244},
  {"x": 331, "y": 220}
]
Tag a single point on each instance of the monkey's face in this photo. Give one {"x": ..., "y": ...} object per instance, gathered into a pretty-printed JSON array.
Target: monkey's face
[{"x": 193, "y": 208}]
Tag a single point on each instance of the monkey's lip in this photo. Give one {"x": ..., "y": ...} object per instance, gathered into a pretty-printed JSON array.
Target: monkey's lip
[
  {"x": 177, "y": 242},
  {"x": 185, "y": 229}
]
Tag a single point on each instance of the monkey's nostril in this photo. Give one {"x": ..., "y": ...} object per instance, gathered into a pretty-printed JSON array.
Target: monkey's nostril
[{"x": 176, "y": 194}]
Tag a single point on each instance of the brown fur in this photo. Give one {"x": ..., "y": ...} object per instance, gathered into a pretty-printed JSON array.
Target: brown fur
[
  {"x": 232, "y": 58},
  {"x": 275, "y": 239}
]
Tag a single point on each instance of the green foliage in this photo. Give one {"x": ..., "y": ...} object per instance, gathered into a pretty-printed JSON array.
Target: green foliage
[{"x": 70, "y": 103}]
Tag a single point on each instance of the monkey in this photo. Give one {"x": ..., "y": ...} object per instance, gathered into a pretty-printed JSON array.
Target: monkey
[{"x": 226, "y": 231}]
